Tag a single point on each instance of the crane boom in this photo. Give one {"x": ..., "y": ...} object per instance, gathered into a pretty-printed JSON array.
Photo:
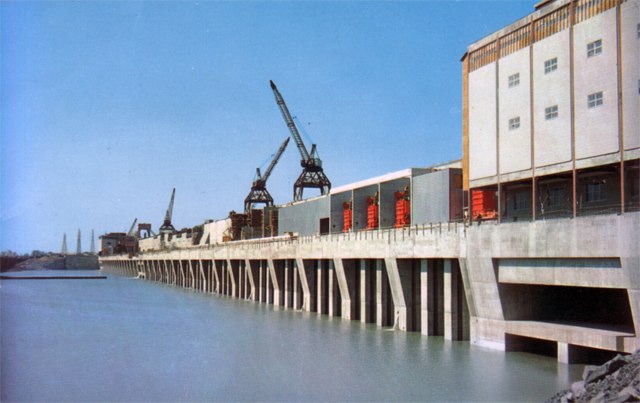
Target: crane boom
[
  {"x": 275, "y": 160},
  {"x": 312, "y": 175},
  {"x": 167, "y": 216},
  {"x": 167, "y": 227},
  {"x": 130, "y": 233},
  {"x": 290, "y": 123},
  {"x": 259, "y": 192}
]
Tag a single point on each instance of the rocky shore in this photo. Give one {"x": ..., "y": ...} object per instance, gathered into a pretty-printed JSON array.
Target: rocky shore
[{"x": 618, "y": 380}]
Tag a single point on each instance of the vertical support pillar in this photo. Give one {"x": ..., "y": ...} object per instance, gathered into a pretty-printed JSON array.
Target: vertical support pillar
[
  {"x": 382, "y": 311},
  {"x": 261, "y": 283},
  {"x": 321, "y": 284},
  {"x": 398, "y": 294},
  {"x": 334, "y": 296},
  {"x": 287, "y": 285},
  {"x": 296, "y": 287},
  {"x": 345, "y": 272},
  {"x": 367, "y": 314}
]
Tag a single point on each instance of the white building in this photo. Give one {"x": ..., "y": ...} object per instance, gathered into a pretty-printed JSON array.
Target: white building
[{"x": 551, "y": 106}]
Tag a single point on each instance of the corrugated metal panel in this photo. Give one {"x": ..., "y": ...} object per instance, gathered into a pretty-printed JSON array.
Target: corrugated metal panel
[
  {"x": 303, "y": 218},
  {"x": 430, "y": 198}
]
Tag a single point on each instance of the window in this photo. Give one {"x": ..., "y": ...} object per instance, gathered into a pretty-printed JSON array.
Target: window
[
  {"x": 595, "y": 99},
  {"x": 514, "y": 80},
  {"x": 551, "y": 112},
  {"x": 514, "y": 123},
  {"x": 555, "y": 196},
  {"x": 595, "y": 192},
  {"x": 521, "y": 201},
  {"x": 594, "y": 48},
  {"x": 550, "y": 65}
]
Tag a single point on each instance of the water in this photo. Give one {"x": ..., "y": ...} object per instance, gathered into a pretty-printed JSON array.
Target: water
[{"x": 124, "y": 339}]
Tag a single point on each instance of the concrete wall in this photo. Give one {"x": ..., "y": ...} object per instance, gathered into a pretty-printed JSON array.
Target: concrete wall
[{"x": 498, "y": 265}]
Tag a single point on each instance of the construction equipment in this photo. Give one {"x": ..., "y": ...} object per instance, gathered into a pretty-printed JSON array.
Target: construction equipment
[
  {"x": 133, "y": 226},
  {"x": 347, "y": 217},
  {"x": 373, "y": 211},
  {"x": 403, "y": 208},
  {"x": 259, "y": 192},
  {"x": 167, "y": 227},
  {"x": 312, "y": 175}
]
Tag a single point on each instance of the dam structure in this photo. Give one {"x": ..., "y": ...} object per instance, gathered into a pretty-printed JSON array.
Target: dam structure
[{"x": 528, "y": 243}]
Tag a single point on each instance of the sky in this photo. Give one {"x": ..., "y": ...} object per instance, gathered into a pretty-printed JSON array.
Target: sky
[{"x": 106, "y": 106}]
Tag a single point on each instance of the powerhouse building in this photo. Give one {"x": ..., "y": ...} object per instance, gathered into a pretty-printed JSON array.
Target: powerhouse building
[
  {"x": 551, "y": 112},
  {"x": 532, "y": 244}
]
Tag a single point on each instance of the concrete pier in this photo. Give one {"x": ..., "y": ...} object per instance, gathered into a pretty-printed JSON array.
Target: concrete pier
[{"x": 517, "y": 286}]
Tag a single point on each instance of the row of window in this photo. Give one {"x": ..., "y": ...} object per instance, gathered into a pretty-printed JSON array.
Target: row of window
[
  {"x": 593, "y": 48},
  {"x": 556, "y": 196},
  {"x": 593, "y": 100}
]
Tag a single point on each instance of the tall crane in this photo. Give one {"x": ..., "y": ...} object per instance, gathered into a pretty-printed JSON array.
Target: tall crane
[
  {"x": 259, "y": 192},
  {"x": 167, "y": 227},
  {"x": 312, "y": 175},
  {"x": 133, "y": 226}
]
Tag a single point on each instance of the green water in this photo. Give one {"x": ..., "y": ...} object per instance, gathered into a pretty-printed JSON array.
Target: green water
[{"x": 124, "y": 339}]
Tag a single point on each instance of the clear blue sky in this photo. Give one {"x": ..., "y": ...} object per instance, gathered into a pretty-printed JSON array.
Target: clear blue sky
[{"x": 106, "y": 106}]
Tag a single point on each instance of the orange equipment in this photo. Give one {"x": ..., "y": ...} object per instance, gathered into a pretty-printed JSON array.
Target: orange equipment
[
  {"x": 348, "y": 216},
  {"x": 403, "y": 208},
  {"x": 373, "y": 210},
  {"x": 483, "y": 204}
]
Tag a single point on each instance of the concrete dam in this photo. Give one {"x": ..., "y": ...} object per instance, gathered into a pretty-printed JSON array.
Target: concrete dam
[{"x": 567, "y": 287}]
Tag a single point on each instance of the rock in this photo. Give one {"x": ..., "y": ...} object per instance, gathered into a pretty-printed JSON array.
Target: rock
[
  {"x": 592, "y": 374},
  {"x": 577, "y": 388}
]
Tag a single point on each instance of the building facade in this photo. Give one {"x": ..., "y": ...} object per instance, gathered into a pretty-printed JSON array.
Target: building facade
[{"x": 551, "y": 109}]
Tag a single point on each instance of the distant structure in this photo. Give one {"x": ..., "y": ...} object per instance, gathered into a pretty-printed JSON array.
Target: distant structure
[
  {"x": 79, "y": 251},
  {"x": 64, "y": 244},
  {"x": 93, "y": 243}
]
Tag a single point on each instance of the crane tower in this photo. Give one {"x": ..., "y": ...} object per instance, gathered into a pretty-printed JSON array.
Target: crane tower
[
  {"x": 312, "y": 175},
  {"x": 259, "y": 192}
]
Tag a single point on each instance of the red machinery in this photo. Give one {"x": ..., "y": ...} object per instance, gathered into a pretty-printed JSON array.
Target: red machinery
[
  {"x": 403, "y": 208},
  {"x": 483, "y": 204},
  {"x": 347, "y": 217},
  {"x": 373, "y": 211}
]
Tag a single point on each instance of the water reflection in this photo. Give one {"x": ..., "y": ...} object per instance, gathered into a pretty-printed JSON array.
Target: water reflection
[{"x": 129, "y": 340}]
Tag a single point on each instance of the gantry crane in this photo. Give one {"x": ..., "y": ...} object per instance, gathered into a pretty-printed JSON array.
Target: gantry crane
[
  {"x": 259, "y": 192},
  {"x": 312, "y": 175},
  {"x": 167, "y": 227}
]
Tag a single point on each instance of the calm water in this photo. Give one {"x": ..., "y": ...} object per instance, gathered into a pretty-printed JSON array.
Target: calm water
[{"x": 124, "y": 339}]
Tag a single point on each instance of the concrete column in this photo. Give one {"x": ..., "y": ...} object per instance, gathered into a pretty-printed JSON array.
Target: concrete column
[
  {"x": 275, "y": 276},
  {"x": 321, "y": 284},
  {"x": 563, "y": 353},
  {"x": 287, "y": 285},
  {"x": 334, "y": 291},
  {"x": 218, "y": 276},
  {"x": 344, "y": 271},
  {"x": 203, "y": 276},
  {"x": 250, "y": 269},
  {"x": 382, "y": 309},
  {"x": 367, "y": 314},
  {"x": 233, "y": 278},
  {"x": 261, "y": 283},
  {"x": 296, "y": 291},
  {"x": 397, "y": 293},
  {"x": 424, "y": 289},
  {"x": 192, "y": 278},
  {"x": 307, "y": 274}
]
